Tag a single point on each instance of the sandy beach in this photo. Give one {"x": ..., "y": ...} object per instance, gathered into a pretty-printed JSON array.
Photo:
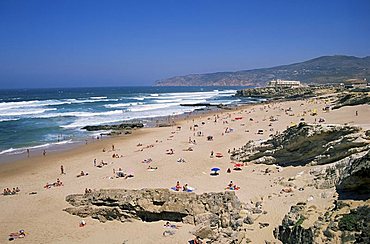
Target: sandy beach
[{"x": 41, "y": 214}]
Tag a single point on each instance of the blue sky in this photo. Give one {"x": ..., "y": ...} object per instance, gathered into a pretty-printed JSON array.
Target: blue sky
[{"x": 117, "y": 43}]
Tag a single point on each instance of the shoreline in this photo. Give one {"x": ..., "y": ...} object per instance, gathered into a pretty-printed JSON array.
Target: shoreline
[
  {"x": 256, "y": 185},
  {"x": 153, "y": 123}
]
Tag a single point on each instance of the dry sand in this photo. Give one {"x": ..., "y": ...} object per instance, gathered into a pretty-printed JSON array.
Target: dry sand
[{"x": 42, "y": 217}]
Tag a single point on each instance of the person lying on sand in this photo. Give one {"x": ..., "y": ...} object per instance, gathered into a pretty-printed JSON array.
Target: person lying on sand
[
  {"x": 169, "y": 151},
  {"x": 82, "y": 173},
  {"x": 57, "y": 183},
  {"x": 189, "y": 149},
  {"x": 102, "y": 163},
  {"x": 169, "y": 225},
  {"x": 146, "y": 161},
  {"x": 152, "y": 168},
  {"x": 181, "y": 160},
  {"x": 15, "y": 235}
]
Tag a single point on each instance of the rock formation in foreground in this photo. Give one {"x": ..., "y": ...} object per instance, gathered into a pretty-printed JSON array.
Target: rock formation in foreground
[
  {"x": 217, "y": 216},
  {"x": 340, "y": 156}
]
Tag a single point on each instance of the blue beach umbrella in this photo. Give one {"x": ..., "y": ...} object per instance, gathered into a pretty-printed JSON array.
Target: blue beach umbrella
[{"x": 215, "y": 169}]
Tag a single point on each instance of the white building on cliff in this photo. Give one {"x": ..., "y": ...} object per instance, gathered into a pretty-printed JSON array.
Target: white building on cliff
[{"x": 284, "y": 83}]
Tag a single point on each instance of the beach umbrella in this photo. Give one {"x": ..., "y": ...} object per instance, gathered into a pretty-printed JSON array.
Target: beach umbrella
[
  {"x": 238, "y": 165},
  {"x": 219, "y": 155},
  {"x": 215, "y": 169}
]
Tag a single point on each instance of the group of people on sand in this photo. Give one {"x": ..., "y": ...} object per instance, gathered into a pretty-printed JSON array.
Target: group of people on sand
[
  {"x": 58, "y": 182},
  {"x": 101, "y": 164},
  {"x": 178, "y": 187},
  {"x": 232, "y": 186},
  {"x": 16, "y": 235},
  {"x": 119, "y": 173},
  {"x": 87, "y": 191},
  {"x": 147, "y": 161},
  {"x": 115, "y": 155},
  {"x": 7, "y": 191},
  {"x": 146, "y": 147}
]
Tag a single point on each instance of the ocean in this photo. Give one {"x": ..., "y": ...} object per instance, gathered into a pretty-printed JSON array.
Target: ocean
[{"x": 45, "y": 118}]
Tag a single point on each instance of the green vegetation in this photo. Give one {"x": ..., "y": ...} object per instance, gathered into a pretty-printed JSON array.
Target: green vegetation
[
  {"x": 358, "y": 220},
  {"x": 299, "y": 222}
]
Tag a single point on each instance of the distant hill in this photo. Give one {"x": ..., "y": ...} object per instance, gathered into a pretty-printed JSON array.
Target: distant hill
[{"x": 322, "y": 70}]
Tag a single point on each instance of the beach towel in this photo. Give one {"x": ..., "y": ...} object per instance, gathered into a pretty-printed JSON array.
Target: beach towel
[{"x": 190, "y": 189}]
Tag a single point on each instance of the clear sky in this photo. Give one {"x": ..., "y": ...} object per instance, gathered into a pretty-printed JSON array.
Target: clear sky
[{"x": 57, "y": 43}]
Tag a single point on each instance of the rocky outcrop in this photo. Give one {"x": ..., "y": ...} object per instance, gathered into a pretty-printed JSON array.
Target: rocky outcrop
[
  {"x": 354, "y": 180},
  {"x": 291, "y": 230},
  {"x": 123, "y": 126},
  {"x": 216, "y": 215},
  {"x": 306, "y": 144},
  {"x": 278, "y": 93},
  {"x": 352, "y": 99},
  {"x": 345, "y": 222}
]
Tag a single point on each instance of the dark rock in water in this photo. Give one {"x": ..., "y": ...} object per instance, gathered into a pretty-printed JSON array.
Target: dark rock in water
[
  {"x": 291, "y": 231},
  {"x": 210, "y": 212},
  {"x": 123, "y": 126},
  {"x": 197, "y": 104}
]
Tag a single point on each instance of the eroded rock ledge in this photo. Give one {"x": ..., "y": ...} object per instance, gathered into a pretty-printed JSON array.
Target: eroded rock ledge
[
  {"x": 216, "y": 215},
  {"x": 303, "y": 144}
]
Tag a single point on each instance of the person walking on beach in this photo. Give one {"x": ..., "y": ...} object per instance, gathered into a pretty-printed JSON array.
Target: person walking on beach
[
  {"x": 44, "y": 153},
  {"x": 28, "y": 153},
  {"x": 62, "y": 170}
]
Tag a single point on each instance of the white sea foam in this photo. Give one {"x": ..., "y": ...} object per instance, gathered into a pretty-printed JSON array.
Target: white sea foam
[
  {"x": 147, "y": 107},
  {"x": 81, "y": 114},
  {"x": 4, "y": 120},
  {"x": 98, "y": 98},
  {"x": 13, "y": 151},
  {"x": 139, "y": 98},
  {"x": 18, "y": 112},
  {"x": 121, "y": 105}
]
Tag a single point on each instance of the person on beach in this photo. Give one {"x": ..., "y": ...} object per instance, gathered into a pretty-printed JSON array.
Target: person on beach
[
  {"x": 28, "y": 153},
  {"x": 112, "y": 147},
  {"x": 62, "y": 170},
  {"x": 185, "y": 187},
  {"x": 178, "y": 186},
  {"x": 95, "y": 162},
  {"x": 44, "y": 153}
]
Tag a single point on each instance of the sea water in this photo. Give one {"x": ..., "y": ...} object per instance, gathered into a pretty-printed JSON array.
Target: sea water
[{"x": 42, "y": 118}]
